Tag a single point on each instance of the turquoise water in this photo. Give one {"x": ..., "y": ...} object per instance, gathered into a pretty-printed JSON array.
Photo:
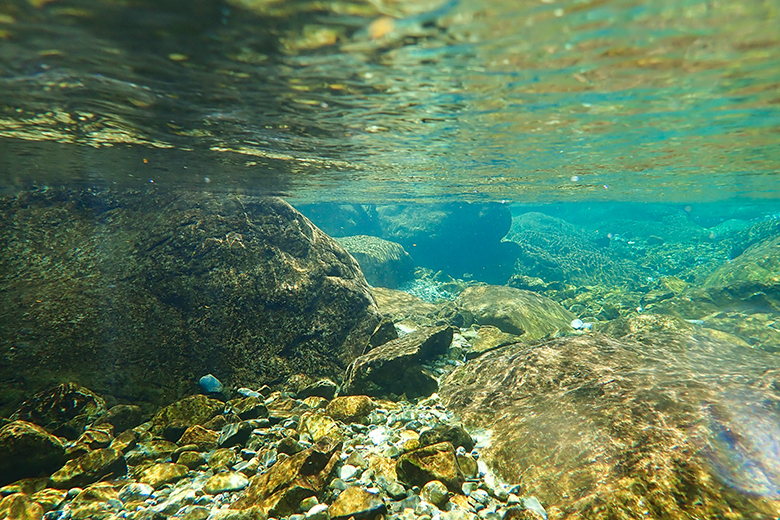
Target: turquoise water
[{"x": 522, "y": 101}]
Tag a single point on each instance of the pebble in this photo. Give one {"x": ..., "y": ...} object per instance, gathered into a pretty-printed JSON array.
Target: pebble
[
  {"x": 210, "y": 384},
  {"x": 368, "y": 456}
]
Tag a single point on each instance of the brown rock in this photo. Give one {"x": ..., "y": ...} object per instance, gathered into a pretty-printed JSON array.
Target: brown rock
[
  {"x": 172, "y": 421},
  {"x": 204, "y": 439},
  {"x": 350, "y": 408},
  {"x": 49, "y": 498},
  {"x": 222, "y": 459},
  {"x": 191, "y": 459},
  {"x": 246, "y": 286},
  {"x": 279, "y": 491},
  {"x": 27, "y": 450},
  {"x": 160, "y": 474},
  {"x": 319, "y": 426},
  {"x": 248, "y": 407},
  {"x": 435, "y": 462},
  {"x": 514, "y": 311},
  {"x": 401, "y": 306},
  {"x": 608, "y": 428},
  {"x": 65, "y": 410},
  {"x": 89, "y": 468},
  {"x": 123, "y": 417},
  {"x": 356, "y": 502},
  {"x": 395, "y": 366},
  {"x": 20, "y": 507}
]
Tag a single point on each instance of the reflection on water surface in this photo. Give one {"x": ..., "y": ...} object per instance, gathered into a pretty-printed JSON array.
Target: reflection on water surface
[{"x": 532, "y": 100}]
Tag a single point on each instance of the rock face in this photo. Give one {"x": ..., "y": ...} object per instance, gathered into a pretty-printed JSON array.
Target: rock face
[
  {"x": 631, "y": 428},
  {"x": 514, "y": 311},
  {"x": 27, "y": 450},
  {"x": 395, "y": 366},
  {"x": 152, "y": 290},
  {"x": 554, "y": 250},
  {"x": 384, "y": 263}
]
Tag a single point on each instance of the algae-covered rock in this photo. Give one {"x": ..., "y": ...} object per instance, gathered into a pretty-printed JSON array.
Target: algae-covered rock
[
  {"x": 384, "y": 263},
  {"x": 173, "y": 420},
  {"x": 400, "y": 306},
  {"x": 64, "y": 410},
  {"x": 153, "y": 289},
  {"x": 514, "y": 311},
  {"x": 157, "y": 475},
  {"x": 604, "y": 428},
  {"x": 350, "y": 408},
  {"x": 356, "y": 502},
  {"x": 395, "y": 366},
  {"x": 434, "y": 462},
  {"x": 555, "y": 250},
  {"x": 27, "y": 450},
  {"x": 89, "y": 468},
  {"x": 279, "y": 491},
  {"x": 19, "y": 506}
]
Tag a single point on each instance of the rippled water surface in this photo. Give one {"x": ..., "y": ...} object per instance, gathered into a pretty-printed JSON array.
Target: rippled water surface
[{"x": 366, "y": 101}]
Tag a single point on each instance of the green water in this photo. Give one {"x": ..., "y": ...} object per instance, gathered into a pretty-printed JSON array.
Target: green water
[{"x": 516, "y": 100}]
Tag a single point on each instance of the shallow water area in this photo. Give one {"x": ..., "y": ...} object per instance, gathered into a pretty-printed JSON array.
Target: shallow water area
[{"x": 447, "y": 260}]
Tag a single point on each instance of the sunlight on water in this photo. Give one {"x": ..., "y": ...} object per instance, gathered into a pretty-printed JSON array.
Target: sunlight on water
[{"x": 481, "y": 100}]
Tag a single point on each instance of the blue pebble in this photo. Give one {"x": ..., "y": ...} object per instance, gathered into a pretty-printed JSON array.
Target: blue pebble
[{"x": 210, "y": 384}]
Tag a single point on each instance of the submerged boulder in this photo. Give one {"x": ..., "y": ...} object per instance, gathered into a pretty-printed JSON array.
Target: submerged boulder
[
  {"x": 657, "y": 425},
  {"x": 513, "y": 311},
  {"x": 140, "y": 293},
  {"x": 27, "y": 450},
  {"x": 384, "y": 263},
  {"x": 395, "y": 366}
]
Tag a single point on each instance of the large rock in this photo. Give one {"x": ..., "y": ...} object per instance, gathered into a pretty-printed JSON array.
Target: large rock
[
  {"x": 151, "y": 290},
  {"x": 515, "y": 311},
  {"x": 555, "y": 250},
  {"x": 434, "y": 462},
  {"x": 384, "y": 263},
  {"x": 655, "y": 426},
  {"x": 400, "y": 306},
  {"x": 89, "y": 468},
  {"x": 64, "y": 410},
  {"x": 395, "y": 366},
  {"x": 27, "y": 450},
  {"x": 172, "y": 421},
  {"x": 279, "y": 490}
]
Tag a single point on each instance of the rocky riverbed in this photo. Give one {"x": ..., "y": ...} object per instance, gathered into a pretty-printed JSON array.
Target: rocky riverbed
[{"x": 311, "y": 455}]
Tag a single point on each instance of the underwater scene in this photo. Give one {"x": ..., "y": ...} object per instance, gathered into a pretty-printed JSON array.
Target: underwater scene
[{"x": 389, "y": 259}]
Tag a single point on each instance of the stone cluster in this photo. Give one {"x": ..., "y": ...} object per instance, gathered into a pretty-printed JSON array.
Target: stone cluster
[{"x": 269, "y": 455}]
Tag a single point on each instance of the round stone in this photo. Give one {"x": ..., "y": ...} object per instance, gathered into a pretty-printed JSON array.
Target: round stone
[
  {"x": 435, "y": 492},
  {"x": 210, "y": 384},
  {"x": 227, "y": 481}
]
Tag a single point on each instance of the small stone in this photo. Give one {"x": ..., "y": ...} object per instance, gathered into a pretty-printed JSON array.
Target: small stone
[
  {"x": 468, "y": 466},
  {"x": 468, "y": 487},
  {"x": 210, "y": 384},
  {"x": 201, "y": 437},
  {"x": 224, "y": 482},
  {"x": 234, "y": 434},
  {"x": 350, "y": 408},
  {"x": 308, "y": 502},
  {"x": 49, "y": 498},
  {"x": 318, "y": 512},
  {"x": 135, "y": 491},
  {"x": 357, "y": 502},
  {"x": 160, "y": 474},
  {"x": 222, "y": 459},
  {"x": 513, "y": 499},
  {"x": 191, "y": 459},
  {"x": 533, "y": 504},
  {"x": 193, "y": 512},
  {"x": 348, "y": 471},
  {"x": 436, "y": 493}
]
